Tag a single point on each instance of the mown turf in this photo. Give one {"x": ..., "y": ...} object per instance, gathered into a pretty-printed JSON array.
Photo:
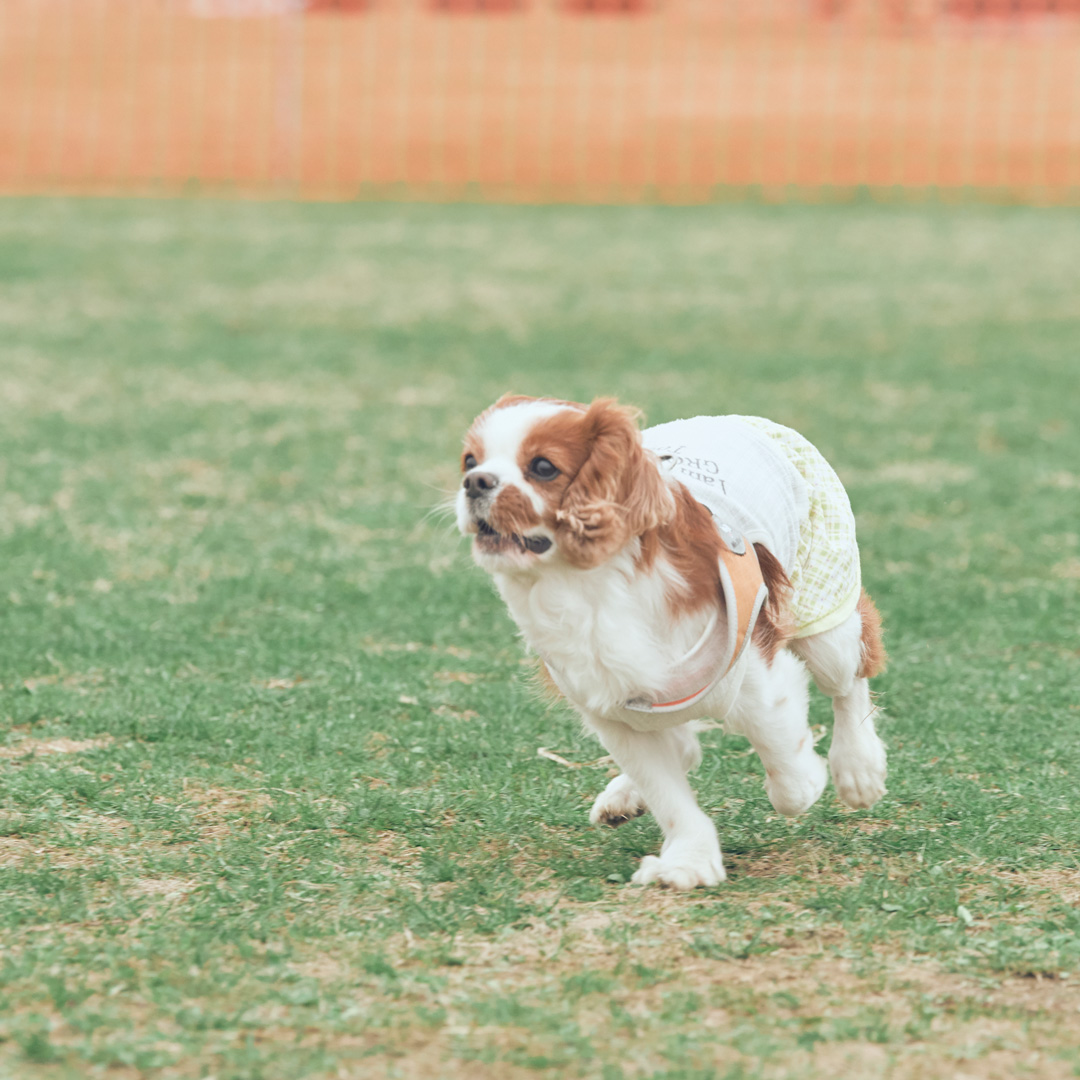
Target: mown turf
[{"x": 271, "y": 805}]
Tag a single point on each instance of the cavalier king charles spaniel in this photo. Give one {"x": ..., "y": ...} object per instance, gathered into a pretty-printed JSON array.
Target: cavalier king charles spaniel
[{"x": 691, "y": 571}]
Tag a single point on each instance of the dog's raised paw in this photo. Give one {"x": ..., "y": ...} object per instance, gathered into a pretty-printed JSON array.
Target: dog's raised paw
[
  {"x": 795, "y": 791},
  {"x": 618, "y": 803}
]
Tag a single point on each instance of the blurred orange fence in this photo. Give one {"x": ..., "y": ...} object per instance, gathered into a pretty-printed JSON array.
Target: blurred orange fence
[{"x": 590, "y": 100}]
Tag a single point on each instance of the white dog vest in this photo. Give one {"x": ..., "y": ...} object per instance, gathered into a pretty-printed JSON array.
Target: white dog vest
[{"x": 772, "y": 486}]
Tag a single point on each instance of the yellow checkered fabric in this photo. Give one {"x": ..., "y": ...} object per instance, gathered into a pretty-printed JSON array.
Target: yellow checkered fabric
[{"x": 826, "y": 579}]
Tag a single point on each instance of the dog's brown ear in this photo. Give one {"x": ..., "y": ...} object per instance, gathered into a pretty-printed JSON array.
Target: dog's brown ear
[{"x": 617, "y": 494}]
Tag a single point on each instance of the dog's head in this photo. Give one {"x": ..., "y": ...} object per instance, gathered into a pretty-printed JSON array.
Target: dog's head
[{"x": 547, "y": 480}]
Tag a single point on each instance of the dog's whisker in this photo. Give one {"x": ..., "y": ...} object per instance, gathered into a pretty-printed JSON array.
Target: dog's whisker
[
  {"x": 447, "y": 492},
  {"x": 447, "y": 508}
]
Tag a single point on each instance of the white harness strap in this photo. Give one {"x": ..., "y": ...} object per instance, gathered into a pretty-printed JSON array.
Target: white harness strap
[{"x": 717, "y": 651}]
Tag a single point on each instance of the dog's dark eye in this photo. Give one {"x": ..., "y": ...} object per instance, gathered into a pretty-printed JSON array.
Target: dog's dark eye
[
  {"x": 542, "y": 469},
  {"x": 469, "y": 462}
]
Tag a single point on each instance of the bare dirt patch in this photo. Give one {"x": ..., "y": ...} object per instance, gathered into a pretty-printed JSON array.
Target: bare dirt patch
[
  {"x": 218, "y": 809},
  {"x": 805, "y": 861},
  {"x": 72, "y": 680},
  {"x": 15, "y": 850},
  {"x": 385, "y": 850},
  {"x": 44, "y": 747},
  {"x": 898, "y": 1017},
  {"x": 1057, "y": 885},
  {"x": 168, "y": 888}
]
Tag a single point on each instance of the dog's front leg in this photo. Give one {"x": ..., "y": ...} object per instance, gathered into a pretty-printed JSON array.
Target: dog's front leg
[{"x": 656, "y": 763}]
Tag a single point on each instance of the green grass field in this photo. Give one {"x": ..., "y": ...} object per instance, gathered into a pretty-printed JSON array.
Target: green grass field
[{"x": 271, "y": 804}]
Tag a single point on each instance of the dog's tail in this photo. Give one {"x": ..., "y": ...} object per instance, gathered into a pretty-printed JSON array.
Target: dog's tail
[{"x": 874, "y": 657}]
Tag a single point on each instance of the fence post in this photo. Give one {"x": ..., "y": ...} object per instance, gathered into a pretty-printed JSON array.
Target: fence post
[{"x": 287, "y": 158}]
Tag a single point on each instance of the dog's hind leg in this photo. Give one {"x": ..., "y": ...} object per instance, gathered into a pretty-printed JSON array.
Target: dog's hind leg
[
  {"x": 771, "y": 712},
  {"x": 842, "y": 660}
]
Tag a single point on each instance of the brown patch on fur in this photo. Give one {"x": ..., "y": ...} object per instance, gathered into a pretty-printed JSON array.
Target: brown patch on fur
[
  {"x": 774, "y": 623},
  {"x": 512, "y": 512},
  {"x": 615, "y": 495},
  {"x": 474, "y": 444},
  {"x": 690, "y": 543},
  {"x": 564, "y": 440},
  {"x": 874, "y": 657}
]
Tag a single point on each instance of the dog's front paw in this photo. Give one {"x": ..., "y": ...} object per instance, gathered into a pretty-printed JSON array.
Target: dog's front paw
[
  {"x": 618, "y": 803},
  {"x": 681, "y": 869},
  {"x": 858, "y": 770},
  {"x": 793, "y": 791}
]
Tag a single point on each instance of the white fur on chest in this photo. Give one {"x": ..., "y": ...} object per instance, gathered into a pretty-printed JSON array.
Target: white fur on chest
[{"x": 608, "y": 630}]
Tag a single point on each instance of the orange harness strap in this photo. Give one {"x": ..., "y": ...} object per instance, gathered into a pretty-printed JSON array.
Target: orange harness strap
[{"x": 747, "y": 580}]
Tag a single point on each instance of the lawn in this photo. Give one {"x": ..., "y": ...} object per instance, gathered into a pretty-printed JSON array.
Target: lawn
[{"x": 270, "y": 798}]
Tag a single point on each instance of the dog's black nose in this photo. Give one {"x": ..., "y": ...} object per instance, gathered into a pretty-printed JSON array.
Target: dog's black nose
[{"x": 480, "y": 483}]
